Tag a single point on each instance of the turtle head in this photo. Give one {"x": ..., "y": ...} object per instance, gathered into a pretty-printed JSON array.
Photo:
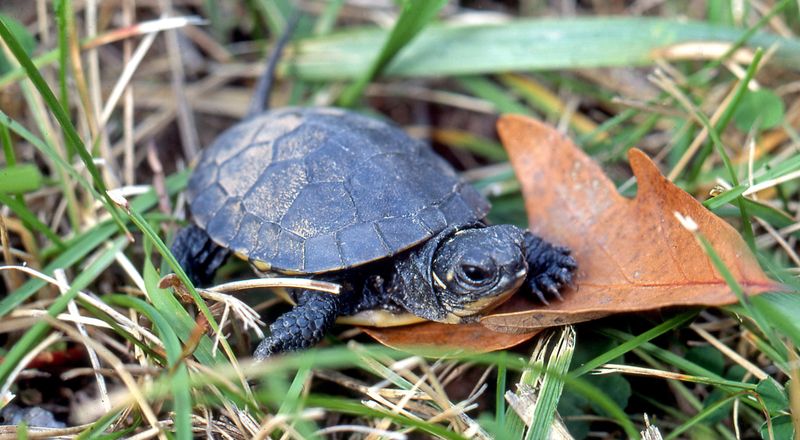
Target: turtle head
[{"x": 475, "y": 270}]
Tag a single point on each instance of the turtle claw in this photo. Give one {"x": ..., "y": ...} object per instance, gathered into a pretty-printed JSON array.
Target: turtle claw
[
  {"x": 539, "y": 294},
  {"x": 556, "y": 293},
  {"x": 546, "y": 283},
  {"x": 550, "y": 267}
]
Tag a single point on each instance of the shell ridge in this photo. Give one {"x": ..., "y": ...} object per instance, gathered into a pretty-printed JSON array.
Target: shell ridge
[{"x": 382, "y": 239}]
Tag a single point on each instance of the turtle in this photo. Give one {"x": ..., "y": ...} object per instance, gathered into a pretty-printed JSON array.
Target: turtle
[{"x": 334, "y": 195}]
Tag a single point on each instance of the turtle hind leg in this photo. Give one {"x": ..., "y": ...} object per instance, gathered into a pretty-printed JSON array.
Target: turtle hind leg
[
  {"x": 301, "y": 327},
  {"x": 198, "y": 255},
  {"x": 549, "y": 267}
]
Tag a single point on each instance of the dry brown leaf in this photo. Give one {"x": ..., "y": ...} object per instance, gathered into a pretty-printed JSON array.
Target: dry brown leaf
[
  {"x": 438, "y": 338},
  {"x": 633, "y": 254}
]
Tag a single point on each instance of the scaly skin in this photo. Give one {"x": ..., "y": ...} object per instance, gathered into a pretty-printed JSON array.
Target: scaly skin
[
  {"x": 198, "y": 255},
  {"x": 301, "y": 327}
]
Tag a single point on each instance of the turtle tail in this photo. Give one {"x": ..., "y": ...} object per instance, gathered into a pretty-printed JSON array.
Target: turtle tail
[{"x": 260, "y": 102}]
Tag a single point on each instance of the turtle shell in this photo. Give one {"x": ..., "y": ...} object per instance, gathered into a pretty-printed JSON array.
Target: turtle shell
[{"x": 312, "y": 190}]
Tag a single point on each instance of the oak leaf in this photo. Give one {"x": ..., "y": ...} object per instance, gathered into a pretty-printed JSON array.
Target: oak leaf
[
  {"x": 437, "y": 339},
  {"x": 633, "y": 254}
]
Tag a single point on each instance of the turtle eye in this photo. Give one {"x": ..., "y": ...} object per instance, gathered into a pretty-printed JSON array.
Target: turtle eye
[{"x": 475, "y": 274}]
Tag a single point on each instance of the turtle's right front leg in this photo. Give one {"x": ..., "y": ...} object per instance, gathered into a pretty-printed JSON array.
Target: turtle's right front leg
[
  {"x": 198, "y": 255},
  {"x": 549, "y": 267},
  {"x": 301, "y": 327}
]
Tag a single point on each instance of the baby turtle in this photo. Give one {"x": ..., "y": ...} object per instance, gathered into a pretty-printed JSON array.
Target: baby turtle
[{"x": 333, "y": 195}]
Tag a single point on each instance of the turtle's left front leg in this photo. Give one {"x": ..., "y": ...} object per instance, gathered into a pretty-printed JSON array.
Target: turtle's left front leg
[
  {"x": 301, "y": 327},
  {"x": 549, "y": 267}
]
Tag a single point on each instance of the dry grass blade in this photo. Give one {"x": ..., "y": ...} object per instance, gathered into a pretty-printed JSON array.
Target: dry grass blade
[
  {"x": 125, "y": 77},
  {"x": 73, "y": 310},
  {"x": 727, "y": 351},
  {"x": 124, "y": 322},
  {"x": 276, "y": 282},
  {"x": 186, "y": 123},
  {"x": 371, "y": 432},
  {"x": 651, "y": 432}
]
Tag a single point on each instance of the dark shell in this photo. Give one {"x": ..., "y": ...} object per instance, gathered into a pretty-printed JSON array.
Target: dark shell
[{"x": 318, "y": 189}]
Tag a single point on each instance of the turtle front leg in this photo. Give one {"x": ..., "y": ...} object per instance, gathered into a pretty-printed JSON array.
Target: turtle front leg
[
  {"x": 301, "y": 327},
  {"x": 549, "y": 267},
  {"x": 198, "y": 255}
]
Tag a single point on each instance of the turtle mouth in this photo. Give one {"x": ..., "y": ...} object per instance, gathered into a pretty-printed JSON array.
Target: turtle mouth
[{"x": 494, "y": 298}]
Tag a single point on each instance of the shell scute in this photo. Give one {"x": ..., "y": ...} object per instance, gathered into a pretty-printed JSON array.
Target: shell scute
[
  {"x": 267, "y": 242},
  {"x": 227, "y": 220},
  {"x": 290, "y": 252},
  {"x": 396, "y": 232},
  {"x": 246, "y": 237},
  {"x": 275, "y": 190},
  {"x": 320, "y": 251},
  {"x": 432, "y": 218},
  {"x": 239, "y": 173},
  {"x": 359, "y": 243},
  {"x": 299, "y": 142},
  {"x": 320, "y": 209}
]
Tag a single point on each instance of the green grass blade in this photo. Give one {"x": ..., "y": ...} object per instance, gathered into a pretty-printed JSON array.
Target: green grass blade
[
  {"x": 743, "y": 39},
  {"x": 327, "y": 19},
  {"x": 500, "y": 400},
  {"x": 19, "y": 179},
  {"x": 666, "y": 356},
  {"x": 180, "y": 320},
  {"x": 48, "y": 151},
  {"x": 499, "y": 97},
  {"x": 734, "y": 285},
  {"x": 293, "y": 402},
  {"x": 276, "y": 14},
  {"x": 63, "y": 15},
  {"x": 162, "y": 248},
  {"x": 414, "y": 16},
  {"x": 97, "y": 429},
  {"x": 726, "y": 197},
  {"x": 781, "y": 310},
  {"x": 26, "y": 39},
  {"x": 17, "y": 74},
  {"x": 348, "y": 406},
  {"x": 702, "y": 415},
  {"x": 179, "y": 374},
  {"x": 530, "y": 44},
  {"x": 480, "y": 146},
  {"x": 634, "y": 342},
  {"x": 8, "y": 146},
  {"x": 552, "y": 385}
]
